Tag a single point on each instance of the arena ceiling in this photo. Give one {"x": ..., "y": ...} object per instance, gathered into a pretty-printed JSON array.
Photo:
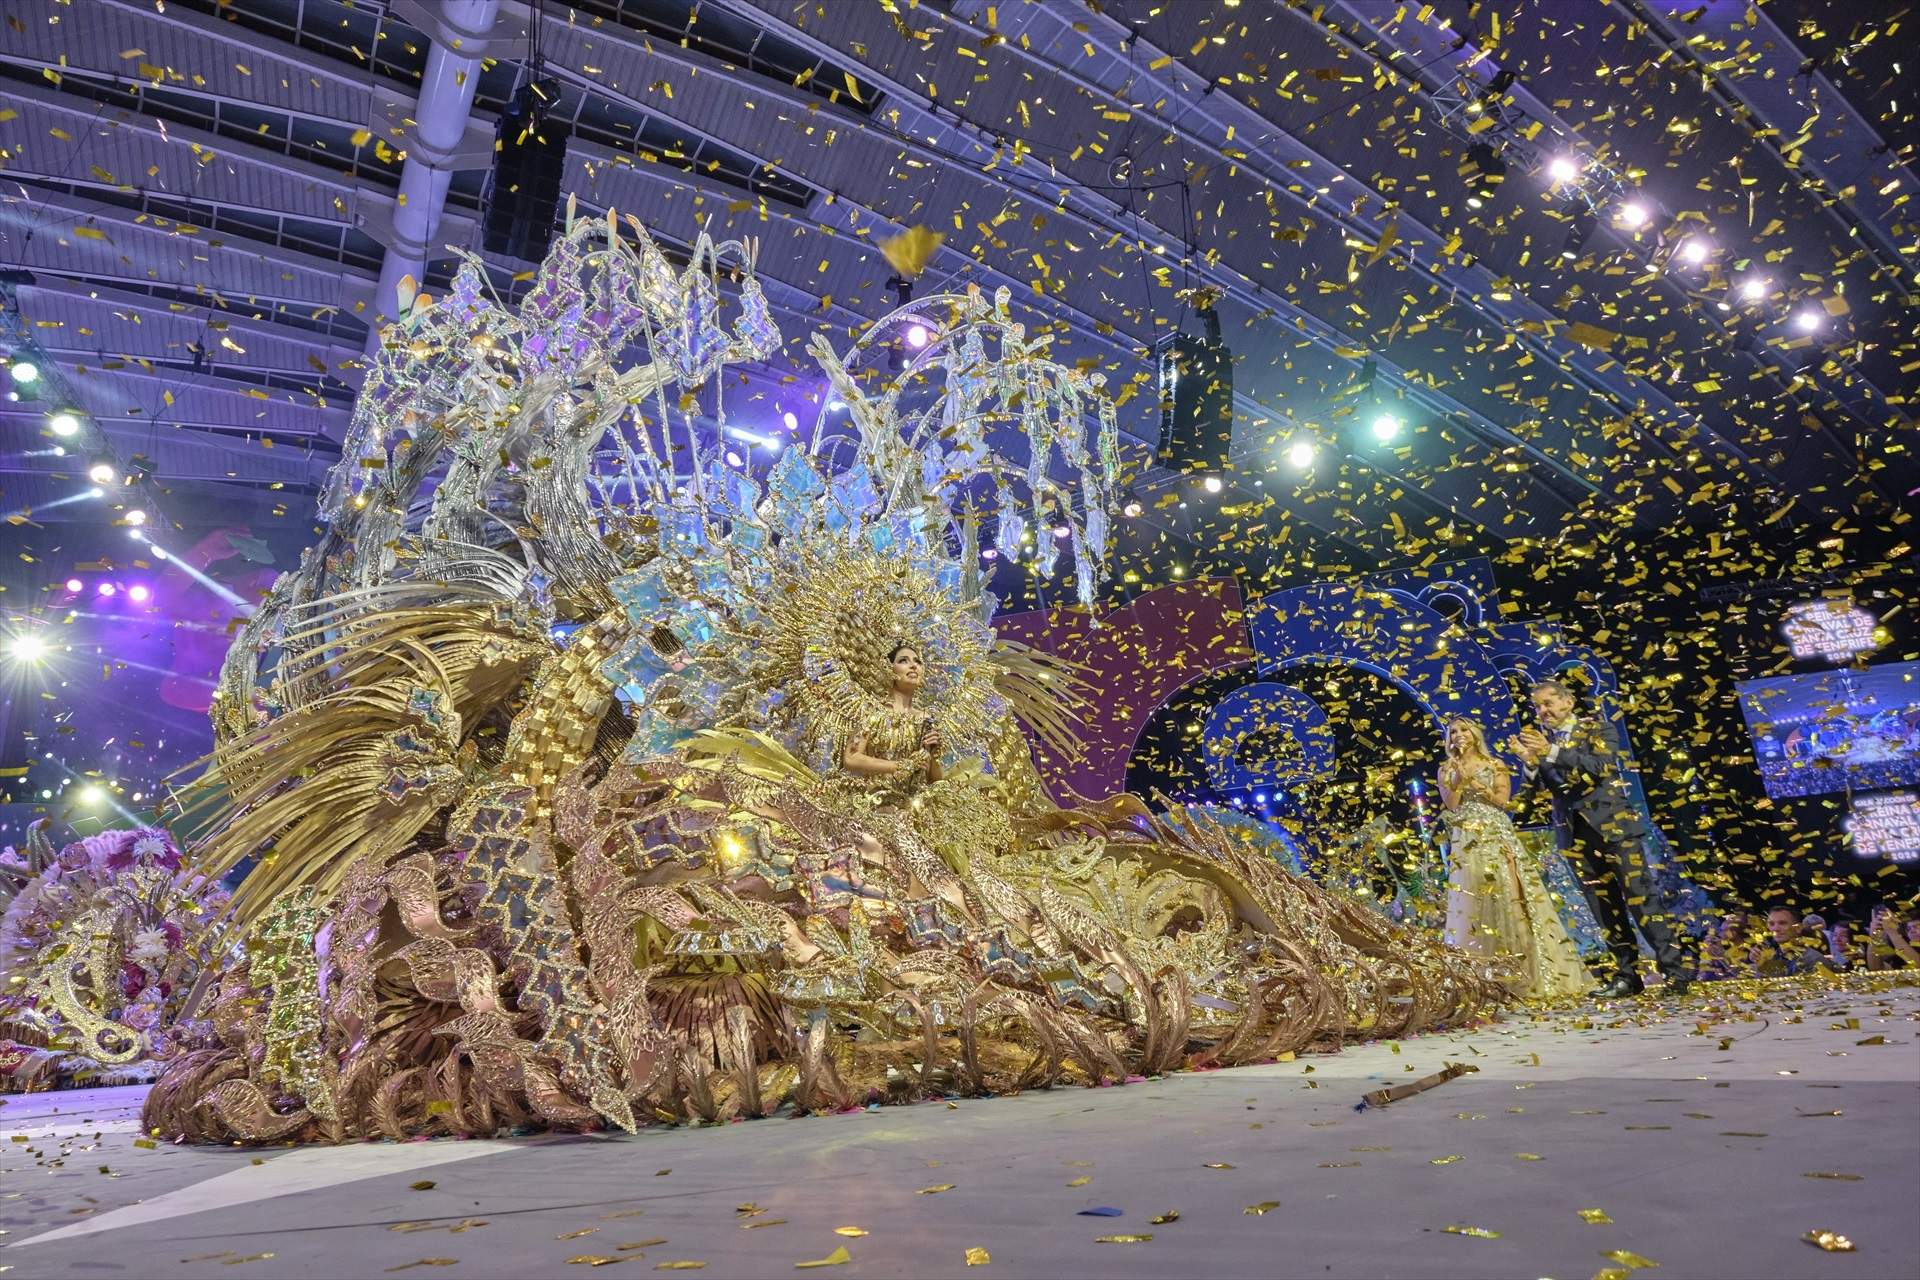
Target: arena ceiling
[{"x": 197, "y": 200}]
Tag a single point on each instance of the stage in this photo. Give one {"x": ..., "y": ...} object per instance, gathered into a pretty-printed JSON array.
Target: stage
[{"x": 1705, "y": 1136}]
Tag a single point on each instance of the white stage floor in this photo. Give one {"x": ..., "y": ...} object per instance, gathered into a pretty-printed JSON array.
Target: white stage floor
[{"x": 1706, "y": 1139}]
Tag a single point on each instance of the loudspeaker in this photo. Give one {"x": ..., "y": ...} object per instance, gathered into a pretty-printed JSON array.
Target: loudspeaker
[
  {"x": 1196, "y": 399},
  {"x": 529, "y": 155}
]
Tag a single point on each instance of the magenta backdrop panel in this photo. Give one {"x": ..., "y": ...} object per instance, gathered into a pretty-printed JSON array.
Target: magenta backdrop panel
[{"x": 1139, "y": 656}]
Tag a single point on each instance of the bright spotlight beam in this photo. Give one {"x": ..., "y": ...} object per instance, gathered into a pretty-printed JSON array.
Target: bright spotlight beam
[
  {"x": 27, "y": 647},
  {"x": 246, "y": 607},
  {"x": 85, "y": 495}
]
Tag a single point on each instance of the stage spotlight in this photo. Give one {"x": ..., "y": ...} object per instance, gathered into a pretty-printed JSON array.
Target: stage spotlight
[
  {"x": 790, "y": 420},
  {"x": 1563, "y": 168},
  {"x": 1634, "y": 214},
  {"x": 1581, "y": 227},
  {"x": 1211, "y": 484},
  {"x": 27, "y": 647},
  {"x": 102, "y": 473},
  {"x": 1755, "y": 287},
  {"x": 836, "y": 405},
  {"x": 96, "y": 493},
  {"x": 91, "y": 793},
  {"x": 136, "y": 517},
  {"x": 25, "y": 372},
  {"x": 106, "y": 589},
  {"x": 1132, "y": 510},
  {"x": 1695, "y": 251},
  {"x": 74, "y": 584},
  {"x": 989, "y": 554},
  {"x": 64, "y": 423},
  {"x": 917, "y": 336},
  {"x": 1484, "y": 170},
  {"x": 1385, "y": 427},
  {"x": 138, "y": 593},
  {"x": 1807, "y": 321},
  {"x": 1300, "y": 454}
]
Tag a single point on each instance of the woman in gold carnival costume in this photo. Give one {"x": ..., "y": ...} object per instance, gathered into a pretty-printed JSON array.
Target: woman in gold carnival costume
[
  {"x": 1498, "y": 905},
  {"x": 591, "y": 779}
]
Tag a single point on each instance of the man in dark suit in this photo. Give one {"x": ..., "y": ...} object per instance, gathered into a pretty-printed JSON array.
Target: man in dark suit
[{"x": 1579, "y": 762}]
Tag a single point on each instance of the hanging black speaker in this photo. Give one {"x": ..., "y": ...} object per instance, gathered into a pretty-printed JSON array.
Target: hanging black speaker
[
  {"x": 529, "y": 156},
  {"x": 1196, "y": 399}
]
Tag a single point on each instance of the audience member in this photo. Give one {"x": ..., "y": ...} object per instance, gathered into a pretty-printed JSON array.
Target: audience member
[
  {"x": 1723, "y": 948},
  {"x": 1889, "y": 944},
  {"x": 1840, "y": 945},
  {"x": 1786, "y": 948}
]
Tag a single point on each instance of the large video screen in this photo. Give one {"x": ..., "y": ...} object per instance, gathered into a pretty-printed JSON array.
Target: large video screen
[{"x": 1836, "y": 730}]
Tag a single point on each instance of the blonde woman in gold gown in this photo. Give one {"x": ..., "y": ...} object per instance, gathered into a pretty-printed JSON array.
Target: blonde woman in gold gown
[{"x": 1498, "y": 905}]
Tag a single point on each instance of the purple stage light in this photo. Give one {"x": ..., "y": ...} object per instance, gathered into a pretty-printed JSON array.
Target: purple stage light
[
  {"x": 106, "y": 588},
  {"x": 138, "y": 593},
  {"x": 74, "y": 584},
  {"x": 917, "y": 336}
]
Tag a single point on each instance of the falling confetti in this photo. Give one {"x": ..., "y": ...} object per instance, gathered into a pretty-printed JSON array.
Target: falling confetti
[
  {"x": 834, "y": 1259},
  {"x": 1831, "y": 1241}
]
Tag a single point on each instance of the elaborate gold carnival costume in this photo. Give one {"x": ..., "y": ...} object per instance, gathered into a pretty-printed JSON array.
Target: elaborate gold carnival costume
[{"x": 543, "y": 753}]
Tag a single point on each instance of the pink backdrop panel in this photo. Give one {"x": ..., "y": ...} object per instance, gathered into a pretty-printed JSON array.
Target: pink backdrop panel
[{"x": 1139, "y": 656}]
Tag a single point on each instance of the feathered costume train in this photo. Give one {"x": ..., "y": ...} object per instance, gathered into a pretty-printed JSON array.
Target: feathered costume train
[{"x": 538, "y": 759}]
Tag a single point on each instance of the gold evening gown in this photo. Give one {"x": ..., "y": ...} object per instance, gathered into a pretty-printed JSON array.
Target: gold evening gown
[{"x": 1498, "y": 904}]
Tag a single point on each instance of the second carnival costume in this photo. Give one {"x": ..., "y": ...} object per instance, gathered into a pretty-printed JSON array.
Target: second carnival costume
[{"x": 540, "y": 753}]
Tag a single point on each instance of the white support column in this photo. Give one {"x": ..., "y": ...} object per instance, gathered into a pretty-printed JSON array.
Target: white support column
[{"x": 459, "y": 29}]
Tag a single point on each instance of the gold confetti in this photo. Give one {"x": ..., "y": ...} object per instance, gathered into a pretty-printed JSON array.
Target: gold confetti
[
  {"x": 1628, "y": 1258},
  {"x": 935, "y": 1189},
  {"x": 423, "y": 1185},
  {"x": 909, "y": 252},
  {"x": 978, "y": 1257},
  {"x": 834, "y": 1259},
  {"x": 1594, "y": 1215},
  {"x": 426, "y": 1262},
  {"x": 1080, "y": 1181},
  {"x": 1831, "y": 1241},
  {"x": 575, "y": 1235},
  {"x": 1264, "y": 1207},
  {"x": 631, "y": 1245},
  {"x": 678, "y": 1266},
  {"x": 592, "y": 1260},
  {"x": 1218, "y": 1166},
  {"x": 1446, "y": 1159},
  {"x": 1171, "y": 1215},
  {"x": 1122, "y": 1239},
  {"x": 849, "y": 1231},
  {"x": 1837, "y": 1177},
  {"x": 1478, "y": 1233}
]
